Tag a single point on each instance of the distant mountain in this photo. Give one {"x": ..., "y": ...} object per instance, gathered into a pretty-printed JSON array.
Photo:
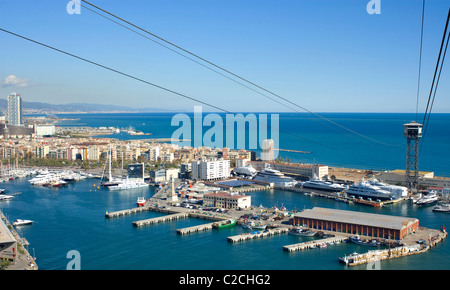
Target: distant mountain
[{"x": 38, "y": 107}]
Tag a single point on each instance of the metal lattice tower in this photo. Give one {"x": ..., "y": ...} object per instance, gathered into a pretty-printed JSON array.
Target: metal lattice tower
[{"x": 413, "y": 131}]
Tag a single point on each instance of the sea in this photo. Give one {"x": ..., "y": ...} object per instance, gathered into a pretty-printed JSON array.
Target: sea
[{"x": 72, "y": 218}]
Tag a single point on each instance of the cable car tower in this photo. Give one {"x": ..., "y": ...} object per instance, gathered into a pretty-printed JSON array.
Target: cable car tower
[{"x": 413, "y": 131}]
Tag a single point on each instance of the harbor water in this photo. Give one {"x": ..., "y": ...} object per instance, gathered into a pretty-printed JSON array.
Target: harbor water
[
  {"x": 72, "y": 218},
  {"x": 380, "y": 144}
]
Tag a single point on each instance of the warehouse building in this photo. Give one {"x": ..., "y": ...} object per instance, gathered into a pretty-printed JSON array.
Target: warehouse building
[
  {"x": 8, "y": 244},
  {"x": 358, "y": 223}
]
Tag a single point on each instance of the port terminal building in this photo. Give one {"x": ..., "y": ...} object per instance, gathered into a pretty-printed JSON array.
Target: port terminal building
[{"x": 356, "y": 223}]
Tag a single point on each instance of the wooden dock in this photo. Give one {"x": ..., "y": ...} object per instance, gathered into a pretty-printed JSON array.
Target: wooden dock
[
  {"x": 314, "y": 244},
  {"x": 251, "y": 236},
  {"x": 160, "y": 219}
]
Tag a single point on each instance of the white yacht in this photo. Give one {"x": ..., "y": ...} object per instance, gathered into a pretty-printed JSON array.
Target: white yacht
[
  {"x": 20, "y": 222},
  {"x": 245, "y": 170},
  {"x": 128, "y": 184},
  {"x": 316, "y": 183},
  {"x": 6, "y": 197},
  {"x": 399, "y": 191},
  {"x": 428, "y": 199},
  {"x": 445, "y": 207},
  {"x": 366, "y": 190},
  {"x": 274, "y": 176}
]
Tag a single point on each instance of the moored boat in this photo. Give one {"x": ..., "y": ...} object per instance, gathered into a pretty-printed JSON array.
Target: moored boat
[
  {"x": 301, "y": 232},
  {"x": 141, "y": 201},
  {"x": 20, "y": 222},
  {"x": 445, "y": 207},
  {"x": 6, "y": 197},
  {"x": 227, "y": 224},
  {"x": 429, "y": 199},
  {"x": 357, "y": 240}
]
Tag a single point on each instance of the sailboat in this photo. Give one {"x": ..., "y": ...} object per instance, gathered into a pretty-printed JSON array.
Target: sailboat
[
  {"x": 134, "y": 182},
  {"x": 111, "y": 181}
]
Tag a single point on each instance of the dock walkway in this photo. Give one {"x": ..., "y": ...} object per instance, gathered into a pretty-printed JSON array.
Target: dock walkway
[
  {"x": 160, "y": 219},
  {"x": 251, "y": 236},
  {"x": 314, "y": 244}
]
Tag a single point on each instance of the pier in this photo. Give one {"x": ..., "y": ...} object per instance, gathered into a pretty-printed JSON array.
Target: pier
[
  {"x": 160, "y": 219},
  {"x": 251, "y": 236},
  {"x": 314, "y": 244},
  {"x": 195, "y": 229},
  {"x": 406, "y": 249},
  {"x": 126, "y": 212}
]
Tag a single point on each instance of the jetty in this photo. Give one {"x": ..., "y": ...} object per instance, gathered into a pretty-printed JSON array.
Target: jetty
[
  {"x": 405, "y": 249},
  {"x": 195, "y": 229},
  {"x": 314, "y": 244},
  {"x": 160, "y": 219},
  {"x": 126, "y": 212},
  {"x": 257, "y": 235}
]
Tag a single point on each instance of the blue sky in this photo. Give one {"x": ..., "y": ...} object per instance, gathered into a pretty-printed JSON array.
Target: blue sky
[{"x": 327, "y": 55}]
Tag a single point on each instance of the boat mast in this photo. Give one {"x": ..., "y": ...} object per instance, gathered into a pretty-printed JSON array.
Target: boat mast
[{"x": 110, "y": 153}]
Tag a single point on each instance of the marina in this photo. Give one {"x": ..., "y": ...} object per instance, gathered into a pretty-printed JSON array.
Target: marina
[{"x": 173, "y": 214}]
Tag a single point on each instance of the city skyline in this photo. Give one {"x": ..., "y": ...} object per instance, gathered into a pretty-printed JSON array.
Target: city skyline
[{"x": 329, "y": 57}]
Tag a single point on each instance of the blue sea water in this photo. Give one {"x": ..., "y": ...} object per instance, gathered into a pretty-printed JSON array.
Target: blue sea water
[
  {"x": 72, "y": 218},
  {"x": 379, "y": 143}
]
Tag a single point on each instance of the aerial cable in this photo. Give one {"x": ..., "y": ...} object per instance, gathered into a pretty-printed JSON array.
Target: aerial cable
[
  {"x": 233, "y": 74},
  {"x": 435, "y": 82},
  {"x": 420, "y": 59}
]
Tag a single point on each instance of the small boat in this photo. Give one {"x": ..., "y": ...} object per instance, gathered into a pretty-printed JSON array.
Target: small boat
[
  {"x": 2, "y": 191},
  {"x": 445, "y": 207},
  {"x": 20, "y": 222},
  {"x": 301, "y": 232},
  {"x": 350, "y": 259},
  {"x": 248, "y": 225},
  {"x": 259, "y": 226},
  {"x": 227, "y": 224},
  {"x": 141, "y": 201},
  {"x": 6, "y": 197},
  {"x": 358, "y": 241}
]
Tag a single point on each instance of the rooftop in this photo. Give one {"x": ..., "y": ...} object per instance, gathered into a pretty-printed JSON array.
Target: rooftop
[{"x": 355, "y": 217}]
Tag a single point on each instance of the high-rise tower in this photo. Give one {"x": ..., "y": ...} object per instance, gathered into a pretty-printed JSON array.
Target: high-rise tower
[
  {"x": 14, "y": 110},
  {"x": 413, "y": 131}
]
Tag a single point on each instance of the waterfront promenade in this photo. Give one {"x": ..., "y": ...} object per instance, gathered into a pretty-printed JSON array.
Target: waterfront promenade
[{"x": 23, "y": 259}]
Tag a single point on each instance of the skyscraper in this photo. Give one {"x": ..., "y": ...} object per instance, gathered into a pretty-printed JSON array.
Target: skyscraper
[
  {"x": 14, "y": 110},
  {"x": 268, "y": 149}
]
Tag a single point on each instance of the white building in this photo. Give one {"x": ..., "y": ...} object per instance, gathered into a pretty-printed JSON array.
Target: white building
[
  {"x": 167, "y": 157},
  {"x": 153, "y": 153},
  {"x": 241, "y": 162},
  {"x": 213, "y": 169},
  {"x": 268, "y": 150},
  {"x": 227, "y": 200},
  {"x": 44, "y": 130}
]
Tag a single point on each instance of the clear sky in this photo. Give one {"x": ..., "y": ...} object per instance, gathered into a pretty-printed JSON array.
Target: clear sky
[{"x": 327, "y": 55}]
